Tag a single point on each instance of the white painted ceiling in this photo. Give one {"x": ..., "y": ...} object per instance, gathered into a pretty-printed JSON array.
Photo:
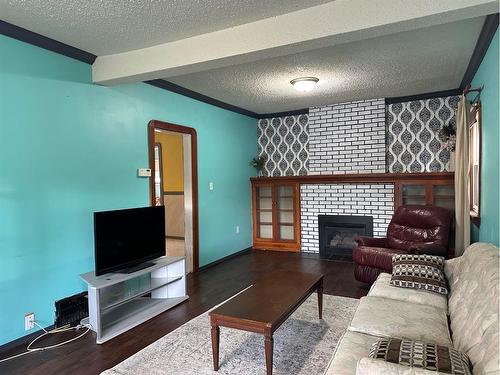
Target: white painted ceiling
[
  {"x": 407, "y": 63},
  {"x": 112, "y": 26}
]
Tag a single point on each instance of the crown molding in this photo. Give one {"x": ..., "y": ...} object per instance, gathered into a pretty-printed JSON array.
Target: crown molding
[
  {"x": 488, "y": 31},
  {"x": 44, "y": 42}
]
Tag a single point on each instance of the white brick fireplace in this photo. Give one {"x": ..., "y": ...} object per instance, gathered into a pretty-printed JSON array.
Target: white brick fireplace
[
  {"x": 374, "y": 200},
  {"x": 346, "y": 138}
]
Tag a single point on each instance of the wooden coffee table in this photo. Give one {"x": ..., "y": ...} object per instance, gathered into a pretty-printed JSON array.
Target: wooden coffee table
[{"x": 264, "y": 306}]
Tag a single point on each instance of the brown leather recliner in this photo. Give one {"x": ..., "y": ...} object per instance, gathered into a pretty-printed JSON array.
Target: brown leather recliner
[{"x": 412, "y": 230}]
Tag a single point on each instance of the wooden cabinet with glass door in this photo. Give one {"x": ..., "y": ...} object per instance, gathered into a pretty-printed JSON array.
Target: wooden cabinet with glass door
[
  {"x": 426, "y": 192},
  {"x": 276, "y": 216}
]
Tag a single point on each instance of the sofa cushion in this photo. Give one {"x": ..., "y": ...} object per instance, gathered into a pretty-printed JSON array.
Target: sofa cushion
[
  {"x": 421, "y": 354},
  {"x": 392, "y": 318},
  {"x": 473, "y": 305},
  {"x": 350, "y": 349},
  {"x": 370, "y": 366},
  {"x": 421, "y": 260},
  {"x": 382, "y": 288},
  {"x": 377, "y": 257},
  {"x": 419, "y": 272}
]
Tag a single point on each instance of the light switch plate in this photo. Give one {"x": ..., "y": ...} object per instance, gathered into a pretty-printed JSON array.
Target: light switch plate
[{"x": 144, "y": 172}]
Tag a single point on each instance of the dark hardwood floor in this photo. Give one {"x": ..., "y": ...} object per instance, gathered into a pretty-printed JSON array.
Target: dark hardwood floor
[{"x": 206, "y": 289}]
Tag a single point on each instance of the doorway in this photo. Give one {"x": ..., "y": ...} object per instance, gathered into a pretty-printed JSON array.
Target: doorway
[{"x": 173, "y": 184}]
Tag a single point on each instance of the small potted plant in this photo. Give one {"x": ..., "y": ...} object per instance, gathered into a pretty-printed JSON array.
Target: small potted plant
[
  {"x": 449, "y": 134},
  {"x": 258, "y": 163}
]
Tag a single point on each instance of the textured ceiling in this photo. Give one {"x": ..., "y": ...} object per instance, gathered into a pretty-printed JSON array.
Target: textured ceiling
[
  {"x": 112, "y": 26},
  {"x": 408, "y": 63}
]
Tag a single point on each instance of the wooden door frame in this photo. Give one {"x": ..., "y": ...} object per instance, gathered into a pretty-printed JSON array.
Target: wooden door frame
[{"x": 161, "y": 125}]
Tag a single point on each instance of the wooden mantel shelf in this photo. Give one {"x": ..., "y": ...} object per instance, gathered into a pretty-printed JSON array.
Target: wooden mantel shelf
[{"x": 357, "y": 178}]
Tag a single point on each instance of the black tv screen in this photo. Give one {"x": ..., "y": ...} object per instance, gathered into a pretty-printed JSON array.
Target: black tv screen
[{"x": 125, "y": 238}]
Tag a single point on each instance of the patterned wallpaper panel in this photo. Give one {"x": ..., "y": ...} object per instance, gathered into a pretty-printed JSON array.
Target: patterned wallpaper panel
[
  {"x": 412, "y": 138},
  {"x": 285, "y": 142}
]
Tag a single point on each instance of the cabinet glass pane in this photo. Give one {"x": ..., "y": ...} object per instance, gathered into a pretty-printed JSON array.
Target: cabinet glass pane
[
  {"x": 264, "y": 212},
  {"x": 414, "y": 190},
  {"x": 285, "y": 191},
  {"x": 414, "y": 194},
  {"x": 286, "y": 213},
  {"x": 286, "y": 232},
  {"x": 264, "y": 197},
  {"x": 265, "y": 231},
  {"x": 413, "y": 200},
  {"x": 264, "y": 191},
  {"x": 285, "y": 197},
  {"x": 286, "y": 217},
  {"x": 286, "y": 203},
  {"x": 266, "y": 216},
  {"x": 265, "y": 203},
  {"x": 444, "y": 196},
  {"x": 444, "y": 190}
]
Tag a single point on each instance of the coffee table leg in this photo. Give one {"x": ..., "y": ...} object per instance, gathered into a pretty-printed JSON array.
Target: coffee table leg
[
  {"x": 215, "y": 346},
  {"x": 320, "y": 298},
  {"x": 268, "y": 343}
]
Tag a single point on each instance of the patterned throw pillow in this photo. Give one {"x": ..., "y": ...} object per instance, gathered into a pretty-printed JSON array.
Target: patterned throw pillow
[
  {"x": 419, "y": 272},
  {"x": 420, "y": 354}
]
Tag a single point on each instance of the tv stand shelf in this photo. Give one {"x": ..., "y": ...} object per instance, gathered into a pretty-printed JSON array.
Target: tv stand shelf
[{"x": 121, "y": 301}]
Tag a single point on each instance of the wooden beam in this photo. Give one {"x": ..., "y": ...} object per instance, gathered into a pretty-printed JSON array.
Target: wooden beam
[{"x": 324, "y": 25}]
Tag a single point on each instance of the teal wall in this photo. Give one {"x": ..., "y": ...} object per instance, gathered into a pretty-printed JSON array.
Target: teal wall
[
  {"x": 68, "y": 148},
  {"x": 487, "y": 75}
]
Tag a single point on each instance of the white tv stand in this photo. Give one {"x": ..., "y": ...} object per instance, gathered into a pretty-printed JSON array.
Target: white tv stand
[{"x": 121, "y": 301}]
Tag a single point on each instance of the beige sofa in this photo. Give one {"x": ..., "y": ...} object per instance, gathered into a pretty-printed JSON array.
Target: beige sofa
[{"x": 471, "y": 310}]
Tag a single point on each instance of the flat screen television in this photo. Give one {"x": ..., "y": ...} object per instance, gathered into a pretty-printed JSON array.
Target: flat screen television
[{"x": 128, "y": 238}]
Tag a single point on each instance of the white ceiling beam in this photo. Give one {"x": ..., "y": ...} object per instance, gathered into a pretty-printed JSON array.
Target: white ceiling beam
[{"x": 336, "y": 22}]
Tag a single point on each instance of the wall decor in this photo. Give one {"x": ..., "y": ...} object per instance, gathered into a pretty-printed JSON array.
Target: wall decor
[
  {"x": 414, "y": 137},
  {"x": 284, "y": 141}
]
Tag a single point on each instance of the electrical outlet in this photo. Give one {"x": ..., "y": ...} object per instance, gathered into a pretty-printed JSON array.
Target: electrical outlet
[
  {"x": 29, "y": 321},
  {"x": 237, "y": 229}
]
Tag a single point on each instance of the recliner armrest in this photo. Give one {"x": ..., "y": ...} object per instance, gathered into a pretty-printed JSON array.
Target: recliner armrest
[
  {"x": 371, "y": 241},
  {"x": 429, "y": 249}
]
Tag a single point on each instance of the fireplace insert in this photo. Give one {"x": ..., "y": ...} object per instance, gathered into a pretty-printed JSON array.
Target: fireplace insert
[{"x": 337, "y": 233}]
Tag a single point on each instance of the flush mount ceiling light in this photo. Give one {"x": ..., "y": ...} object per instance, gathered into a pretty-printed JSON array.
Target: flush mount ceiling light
[{"x": 304, "y": 84}]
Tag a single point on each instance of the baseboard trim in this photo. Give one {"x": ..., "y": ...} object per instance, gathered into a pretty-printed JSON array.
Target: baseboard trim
[
  {"x": 210, "y": 265},
  {"x": 22, "y": 340}
]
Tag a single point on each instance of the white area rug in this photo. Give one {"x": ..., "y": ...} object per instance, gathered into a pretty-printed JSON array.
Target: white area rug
[{"x": 302, "y": 345}]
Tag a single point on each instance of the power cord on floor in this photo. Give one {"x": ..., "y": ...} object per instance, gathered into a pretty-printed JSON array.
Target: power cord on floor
[{"x": 29, "y": 349}]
